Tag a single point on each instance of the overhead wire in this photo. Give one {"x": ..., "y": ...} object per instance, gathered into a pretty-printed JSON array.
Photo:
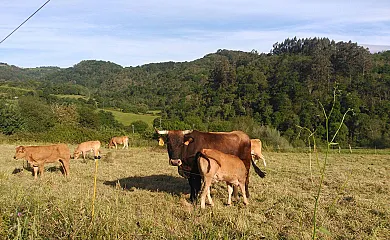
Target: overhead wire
[{"x": 25, "y": 21}]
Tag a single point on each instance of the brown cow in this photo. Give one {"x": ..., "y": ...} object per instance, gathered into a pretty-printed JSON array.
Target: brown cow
[
  {"x": 84, "y": 147},
  {"x": 37, "y": 156},
  {"x": 236, "y": 143},
  {"x": 119, "y": 140},
  {"x": 256, "y": 151},
  {"x": 217, "y": 166}
]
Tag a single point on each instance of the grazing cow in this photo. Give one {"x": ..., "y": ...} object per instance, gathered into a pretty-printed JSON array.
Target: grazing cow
[
  {"x": 256, "y": 151},
  {"x": 236, "y": 143},
  {"x": 37, "y": 156},
  {"x": 217, "y": 166},
  {"x": 84, "y": 147},
  {"x": 119, "y": 140}
]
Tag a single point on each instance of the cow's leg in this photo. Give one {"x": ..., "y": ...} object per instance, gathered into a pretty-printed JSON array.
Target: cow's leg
[
  {"x": 235, "y": 193},
  {"x": 262, "y": 157},
  {"x": 41, "y": 169},
  {"x": 195, "y": 184},
  {"x": 35, "y": 168},
  {"x": 205, "y": 191},
  {"x": 65, "y": 167},
  {"x": 242, "y": 187},
  {"x": 209, "y": 197},
  {"x": 247, "y": 185},
  {"x": 230, "y": 191}
]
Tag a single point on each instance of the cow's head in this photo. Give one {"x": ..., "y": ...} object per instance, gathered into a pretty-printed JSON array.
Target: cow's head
[
  {"x": 20, "y": 152},
  {"x": 76, "y": 154},
  {"x": 175, "y": 144}
]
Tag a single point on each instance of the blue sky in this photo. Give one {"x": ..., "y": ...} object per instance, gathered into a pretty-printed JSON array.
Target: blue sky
[{"x": 132, "y": 33}]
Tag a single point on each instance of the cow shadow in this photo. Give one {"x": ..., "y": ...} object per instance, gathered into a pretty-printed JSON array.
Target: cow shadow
[
  {"x": 154, "y": 183},
  {"x": 55, "y": 169},
  {"x": 29, "y": 168}
]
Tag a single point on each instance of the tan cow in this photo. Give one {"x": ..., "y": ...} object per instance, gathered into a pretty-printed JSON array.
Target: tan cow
[
  {"x": 217, "y": 166},
  {"x": 84, "y": 147},
  {"x": 119, "y": 140},
  {"x": 37, "y": 156},
  {"x": 256, "y": 150}
]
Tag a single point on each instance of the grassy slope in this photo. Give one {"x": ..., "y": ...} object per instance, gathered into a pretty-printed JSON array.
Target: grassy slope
[
  {"x": 139, "y": 196},
  {"x": 127, "y": 118}
]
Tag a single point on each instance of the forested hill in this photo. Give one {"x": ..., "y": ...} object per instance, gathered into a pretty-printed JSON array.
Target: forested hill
[{"x": 284, "y": 89}]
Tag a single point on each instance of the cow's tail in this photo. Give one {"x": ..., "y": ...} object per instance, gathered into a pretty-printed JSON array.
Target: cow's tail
[
  {"x": 208, "y": 160},
  {"x": 258, "y": 170}
]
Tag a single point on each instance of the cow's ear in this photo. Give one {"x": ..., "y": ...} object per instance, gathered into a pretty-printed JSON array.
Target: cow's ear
[{"x": 189, "y": 140}]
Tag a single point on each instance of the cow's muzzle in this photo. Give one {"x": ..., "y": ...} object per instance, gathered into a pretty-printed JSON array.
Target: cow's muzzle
[{"x": 175, "y": 162}]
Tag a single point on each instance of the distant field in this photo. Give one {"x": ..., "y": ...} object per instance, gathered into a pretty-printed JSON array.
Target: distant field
[
  {"x": 127, "y": 118},
  {"x": 139, "y": 196},
  {"x": 71, "y": 96}
]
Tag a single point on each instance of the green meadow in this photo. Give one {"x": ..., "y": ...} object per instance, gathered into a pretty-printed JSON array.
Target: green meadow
[
  {"x": 139, "y": 196},
  {"x": 127, "y": 118}
]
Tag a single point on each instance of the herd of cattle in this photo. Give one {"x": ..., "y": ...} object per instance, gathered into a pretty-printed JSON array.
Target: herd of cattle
[{"x": 207, "y": 156}]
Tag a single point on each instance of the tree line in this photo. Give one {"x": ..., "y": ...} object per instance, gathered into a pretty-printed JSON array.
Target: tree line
[{"x": 280, "y": 92}]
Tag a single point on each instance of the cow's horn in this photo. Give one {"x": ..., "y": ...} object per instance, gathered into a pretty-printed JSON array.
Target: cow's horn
[
  {"x": 187, "y": 132},
  {"x": 161, "y": 132}
]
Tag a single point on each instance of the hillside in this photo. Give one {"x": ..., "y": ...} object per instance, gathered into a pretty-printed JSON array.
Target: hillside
[{"x": 284, "y": 89}]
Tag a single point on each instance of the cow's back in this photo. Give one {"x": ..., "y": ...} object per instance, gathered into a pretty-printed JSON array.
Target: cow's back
[
  {"x": 86, "y": 146},
  {"x": 48, "y": 154},
  {"x": 235, "y": 143}
]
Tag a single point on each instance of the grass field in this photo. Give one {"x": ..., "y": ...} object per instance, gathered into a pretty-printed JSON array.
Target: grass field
[
  {"x": 127, "y": 118},
  {"x": 139, "y": 196},
  {"x": 71, "y": 96}
]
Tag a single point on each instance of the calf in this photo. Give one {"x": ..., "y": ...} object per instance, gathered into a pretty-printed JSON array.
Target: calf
[
  {"x": 256, "y": 151},
  {"x": 37, "y": 156},
  {"x": 85, "y": 147},
  {"x": 216, "y": 166},
  {"x": 119, "y": 140}
]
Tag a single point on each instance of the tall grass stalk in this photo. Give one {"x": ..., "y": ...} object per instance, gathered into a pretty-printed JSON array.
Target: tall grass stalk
[{"x": 322, "y": 168}]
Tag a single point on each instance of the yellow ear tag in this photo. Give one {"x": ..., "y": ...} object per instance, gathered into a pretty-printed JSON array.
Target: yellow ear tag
[
  {"x": 186, "y": 143},
  {"x": 160, "y": 142}
]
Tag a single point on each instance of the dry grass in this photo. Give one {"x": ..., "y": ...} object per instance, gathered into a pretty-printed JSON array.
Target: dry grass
[{"x": 139, "y": 196}]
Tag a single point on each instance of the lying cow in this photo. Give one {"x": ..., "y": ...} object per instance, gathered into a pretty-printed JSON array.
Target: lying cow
[
  {"x": 256, "y": 151},
  {"x": 37, "y": 156},
  {"x": 84, "y": 147},
  {"x": 119, "y": 140},
  {"x": 217, "y": 166}
]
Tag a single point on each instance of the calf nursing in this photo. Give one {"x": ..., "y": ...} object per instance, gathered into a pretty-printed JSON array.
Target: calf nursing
[{"x": 217, "y": 166}]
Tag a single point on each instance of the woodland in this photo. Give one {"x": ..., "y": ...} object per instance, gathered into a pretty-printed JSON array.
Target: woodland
[{"x": 268, "y": 95}]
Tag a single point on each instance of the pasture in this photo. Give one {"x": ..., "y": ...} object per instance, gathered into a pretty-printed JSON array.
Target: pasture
[
  {"x": 127, "y": 118},
  {"x": 139, "y": 196}
]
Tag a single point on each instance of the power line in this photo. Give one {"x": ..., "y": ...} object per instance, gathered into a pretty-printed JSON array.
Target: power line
[{"x": 24, "y": 21}]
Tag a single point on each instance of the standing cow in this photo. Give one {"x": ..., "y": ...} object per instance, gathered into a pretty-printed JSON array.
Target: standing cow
[
  {"x": 37, "y": 156},
  {"x": 85, "y": 147},
  {"x": 119, "y": 140},
  {"x": 236, "y": 143},
  {"x": 256, "y": 151}
]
